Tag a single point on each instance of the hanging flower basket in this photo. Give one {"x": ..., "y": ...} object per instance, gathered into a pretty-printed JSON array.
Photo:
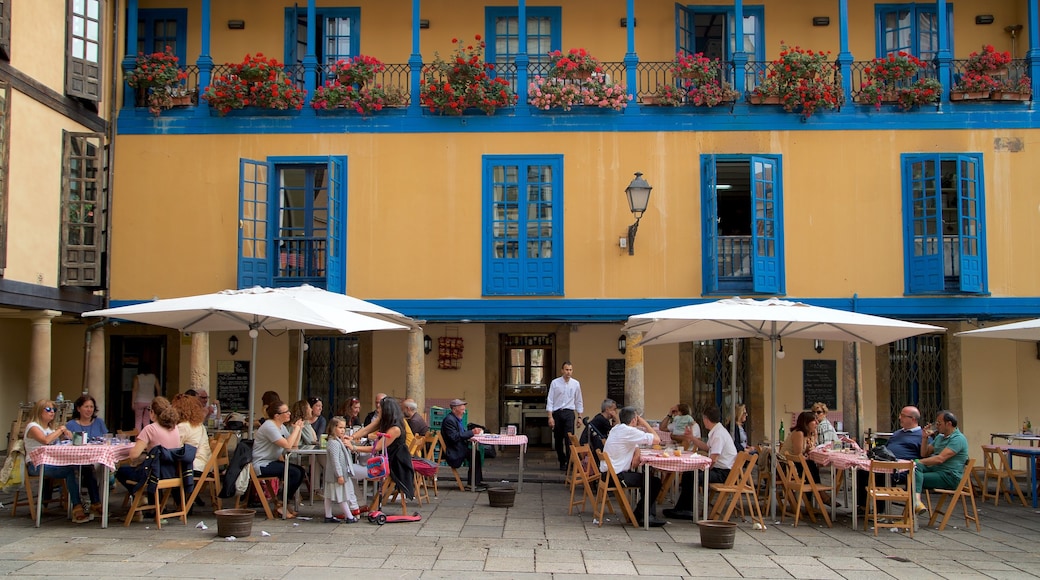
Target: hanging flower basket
[
  {"x": 1009, "y": 96},
  {"x": 969, "y": 96}
]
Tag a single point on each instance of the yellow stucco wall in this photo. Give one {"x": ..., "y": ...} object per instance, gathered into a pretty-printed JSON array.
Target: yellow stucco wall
[{"x": 842, "y": 198}]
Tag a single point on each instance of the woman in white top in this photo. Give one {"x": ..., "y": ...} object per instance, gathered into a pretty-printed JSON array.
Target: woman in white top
[
  {"x": 40, "y": 431},
  {"x": 146, "y": 387},
  {"x": 191, "y": 414},
  {"x": 269, "y": 443}
]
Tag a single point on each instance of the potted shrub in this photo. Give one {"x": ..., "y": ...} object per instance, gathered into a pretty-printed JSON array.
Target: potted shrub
[
  {"x": 984, "y": 72},
  {"x": 804, "y": 81},
  {"x": 157, "y": 75},
  {"x": 1013, "y": 90},
  {"x": 703, "y": 82},
  {"x": 576, "y": 64},
  {"x": 666, "y": 95},
  {"x": 257, "y": 82},
  {"x": 897, "y": 78},
  {"x": 358, "y": 70},
  {"x": 464, "y": 81},
  {"x": 545, "y": 94},
  {"x": 365, "y": 100}
]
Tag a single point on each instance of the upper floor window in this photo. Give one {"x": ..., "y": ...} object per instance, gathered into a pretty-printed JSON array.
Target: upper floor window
[
  {"x": 712, "y": 30},
  {"x": 159, "y": 28},
  {"x": 911, "y": 28},
  {"x": 503, "y": 38},
  {"x": 944, "y": 223},
  {"x": 83, "y": 63},
  {"x": 742, "y": 211},
  {"x": 81, "y": 209},
  {"x": 292, "y": 222},
  {"x": 5, "y": 29},
  {"x": 337, "y": 36},
  {"x": 523, "y": 225}
]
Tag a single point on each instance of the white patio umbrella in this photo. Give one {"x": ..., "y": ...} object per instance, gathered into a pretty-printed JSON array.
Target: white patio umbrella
[
  {"x": 1026, "y": 330},
  {"x": 254, "y": 309},
  {"x": 772, "y": 319}
]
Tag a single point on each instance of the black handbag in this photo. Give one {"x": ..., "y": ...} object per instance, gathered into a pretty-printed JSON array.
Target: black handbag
[{"x": 881, "y": 453}]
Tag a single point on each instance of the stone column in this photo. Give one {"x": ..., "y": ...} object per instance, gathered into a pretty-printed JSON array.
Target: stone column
[
  {"x": 415, "y": 387},
  {"x": 634, "y": 387},
  {"x": 96, "y": 369},
  {"x": 200, "y": 362},
  {"x": 40, "y": 356}
]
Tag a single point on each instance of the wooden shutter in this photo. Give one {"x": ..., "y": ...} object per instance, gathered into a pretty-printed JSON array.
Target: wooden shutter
[
  {"x": 709, "y": 225},
  {"x": 83, "y": 53},
  {"x": 5, "y": 118},
  {"x": 254, "y": 206},
  {"x": 5, "y": 29},
  {"x": 82, "y": 211}
]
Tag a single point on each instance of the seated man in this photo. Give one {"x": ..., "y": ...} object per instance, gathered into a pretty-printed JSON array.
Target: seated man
[
  {"x": 722, "y": 452},
  {"x": 622, "y": 446},
  {"x": 905, "y": 443},
  {"x": 678, "y": 421},
  {"x": 942, "y": 459},
  {"x": 414, "y": 419},
  {"x": 598, "y": 428},
  {"x": 456, "y": 440}
]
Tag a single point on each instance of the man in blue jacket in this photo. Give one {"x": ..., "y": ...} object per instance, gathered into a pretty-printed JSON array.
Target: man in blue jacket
[{"x": 456, "y": 438}]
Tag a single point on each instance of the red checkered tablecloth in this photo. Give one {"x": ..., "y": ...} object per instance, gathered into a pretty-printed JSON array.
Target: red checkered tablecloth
[
  {"x": 107, "y": 455},
  {"x": 685, "y": 462},
  {"x": 666, "y": 436},
  {"x": 501, "y": 439}
]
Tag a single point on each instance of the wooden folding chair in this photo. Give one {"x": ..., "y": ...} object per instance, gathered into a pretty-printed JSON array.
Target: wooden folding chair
[
  {"x": 418, "y": 449},
  {"x": 890, "y": 493},
  {"x": 801, "y": 484},
  {"x": 998, "y": 468},
  {"x": 430, "y": 447},
  {"x": 961, "y": 494},
  {"x": 31, "y": 483},
  {"x": 725, "y": 491},
  {"x": 164, "y": 489},
  {"x": 738, "y": 489},
  {"x": 211, "y": 475},
  {"x": 436, "y": 452},
  {"x": 581, "y": 459},
  {"x": 573, "y": 442},
  {"x": 612, "y": 485},
  {"x": 255, "y": 483}
]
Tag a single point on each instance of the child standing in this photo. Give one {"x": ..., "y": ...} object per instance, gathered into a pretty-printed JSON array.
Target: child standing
[{"x": 339, "y": 480}]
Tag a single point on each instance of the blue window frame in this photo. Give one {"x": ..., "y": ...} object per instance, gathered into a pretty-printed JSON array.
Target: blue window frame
[
  {"x": 944, "y": 223},
  {"x": 523, "y": 225},
  {"x": 911, "y": 28},
  {"x": 703, "y": 28},
  {"x": 742, "y": 228},
  {"x": 158, "y": 28},
  {"x": 292, "y": 217},
  {"x": 502, "y": 31},
  {"x": 337, "y": 36}
]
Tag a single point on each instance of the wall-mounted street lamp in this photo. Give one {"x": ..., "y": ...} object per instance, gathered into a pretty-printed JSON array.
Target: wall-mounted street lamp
[
  {"x": 427, "y": 344},
  {"x": 622, "y": 344},
  {"x": 638, "y": 193},
  {"x": 232, "y": 345}
]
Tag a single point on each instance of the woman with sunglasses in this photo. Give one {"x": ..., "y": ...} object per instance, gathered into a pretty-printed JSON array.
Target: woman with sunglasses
[
  {"x": 825, "y": 432},
  {"x": 270, "y": 441},
  {"x": 41, "y": 431}
]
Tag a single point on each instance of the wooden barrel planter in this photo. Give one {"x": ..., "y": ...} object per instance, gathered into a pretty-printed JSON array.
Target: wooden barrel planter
[
  {"x": 501, "y": 496},
  {"x": 716, "y": 534},
  {"x": 232, "y": 522}
]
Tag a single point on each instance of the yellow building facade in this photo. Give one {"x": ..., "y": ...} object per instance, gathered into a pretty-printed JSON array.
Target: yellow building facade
[{"x": 507, "y": 234}]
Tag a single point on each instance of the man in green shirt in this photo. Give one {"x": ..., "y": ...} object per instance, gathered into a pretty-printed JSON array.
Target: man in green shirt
[{"x": 942, "y": 459}]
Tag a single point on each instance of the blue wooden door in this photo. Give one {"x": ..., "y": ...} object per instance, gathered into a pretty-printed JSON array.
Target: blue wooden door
[
  {"x": 709, "y": 225},
  {"x": 254, "y": 218},
  {"x": 970, "y": 224},
  {"x": 335, "y": 266},
  {"x": 923, "y": 219},
  {"x": 766, "y": 247}
]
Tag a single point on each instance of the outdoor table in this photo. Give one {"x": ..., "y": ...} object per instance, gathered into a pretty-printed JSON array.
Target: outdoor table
[
  {"x": 79, "y": 455},
  {"x": 666, "y": 436},
  {"x": 312, "y": 451},
  {"x": 1030, "y": 453},
  {"x": 1015, "y": 437},
  {"x": 488, "y": 439},
  {"x": 848, "y": 462},
  {"x": 688, "y": 461}
]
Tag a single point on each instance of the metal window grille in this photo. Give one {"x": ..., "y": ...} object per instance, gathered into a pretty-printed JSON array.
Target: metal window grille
[
  {"x": 713, "y": 375},
  {"x": 332, "y": 369},
  {"x": 918, "y": 377}
]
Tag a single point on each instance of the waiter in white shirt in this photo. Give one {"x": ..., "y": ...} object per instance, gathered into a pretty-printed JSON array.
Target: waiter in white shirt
[{"x": 565, "y": 408}]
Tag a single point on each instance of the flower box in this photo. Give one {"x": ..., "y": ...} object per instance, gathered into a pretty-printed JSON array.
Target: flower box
[
  {"x": 763, "y": 99},
  {"x": 182, "y": 101},
  {"x": 1007, "y": 96},
  {"x": 969, "y": 96}
]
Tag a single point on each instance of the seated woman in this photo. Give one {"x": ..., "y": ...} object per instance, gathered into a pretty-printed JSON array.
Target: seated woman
[
  {"x": 190, "y": 417},
  {"x": 268, "y": 444},
  {"x": 302, "y": 410},
  {"x": 318, "y": 422},
  {"x": 85, "y": 420},
  {"x": 39, "y": 432},
  {"x": 741, "y": 438},
  {"x": 825, "y": 432},
  {"x": 802, "y": 440},
  {"x": 676, "y": 422},
  {"x": 161, "y": 431},
  {"x": 390, "y": 428}
]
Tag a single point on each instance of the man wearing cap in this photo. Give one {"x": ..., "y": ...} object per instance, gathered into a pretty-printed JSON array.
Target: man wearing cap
[
  {"x": 563, "y": 402},
  {"x": 456, "y": 438}
]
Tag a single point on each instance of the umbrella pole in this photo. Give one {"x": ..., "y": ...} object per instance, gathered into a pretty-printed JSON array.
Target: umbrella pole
[
  {"x": 299, "y": 368},
  {"x": 772, "y": 423},
  {"x": 252, "y": 380}
]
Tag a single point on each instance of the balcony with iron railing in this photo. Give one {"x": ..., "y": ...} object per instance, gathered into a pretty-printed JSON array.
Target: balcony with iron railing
[{"x": 648, "y": 78}]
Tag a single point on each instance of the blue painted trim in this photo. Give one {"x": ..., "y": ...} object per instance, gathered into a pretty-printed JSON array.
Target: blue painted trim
[
  {"x": 742, "y": 117},
  {"x": 619, "y": 309},
  {"x": 150, "y": 15}
]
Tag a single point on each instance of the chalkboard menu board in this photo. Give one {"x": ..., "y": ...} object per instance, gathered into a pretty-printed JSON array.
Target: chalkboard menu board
[
  {"x": 820, "y": 383},
  {"x": 233, "y": 385},
  {"x": 616, "y": 381}
]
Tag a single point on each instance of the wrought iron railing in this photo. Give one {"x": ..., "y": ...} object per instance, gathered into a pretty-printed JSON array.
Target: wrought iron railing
[
  {"x": 301, "y": 257},
  {"x": 734, "y": 256}
]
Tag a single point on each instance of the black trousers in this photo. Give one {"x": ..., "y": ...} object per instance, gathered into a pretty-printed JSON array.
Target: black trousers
[
  {"x": 686, "y": 501},
  {"x": 635, "y": 479},
  {"x": 564, "y": 424}
]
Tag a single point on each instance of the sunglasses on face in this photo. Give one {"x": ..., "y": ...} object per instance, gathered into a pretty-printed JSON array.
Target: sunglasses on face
[{"x": 48, "y": 409}]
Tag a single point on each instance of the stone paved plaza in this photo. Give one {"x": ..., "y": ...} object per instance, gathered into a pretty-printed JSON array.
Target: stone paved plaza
[{"x": 461, "y": 536}]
